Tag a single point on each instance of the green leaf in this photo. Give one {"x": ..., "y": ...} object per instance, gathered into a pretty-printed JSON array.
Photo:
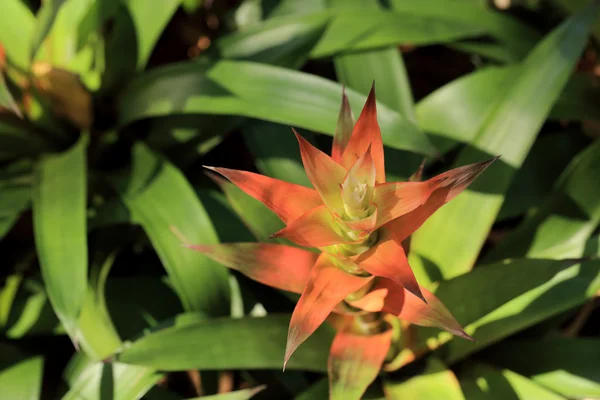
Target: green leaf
[
  {"x": 149, "y": 23},
  {"x": 283, "y": 41},
  {"x": 548, "y": 157},
  {"x": 276, "y": 152},
  {"x": 20, "y": 375},
  {"x": 563, "y": 223},
  {"x": 163, "y": 202},
  {"x": 358, "y": 70},
  {"x": 509, "y": 130},
  {"x": 244, "y": 343},
  {"x": 495, "y": 301},
  {"x": 480, "y": 382},
  {"x": 45, "y": 19},
  {"x": 98, "y": 381},
  {"x": 16, "y": 197},
  {"x": 8, "y": 292},
  {"x": 245, "y": 394},
  {"x": 59, "y": 219},
  {"x": 261, "y": 221},
  {"x": 456, "y": 112},
  {"x": 259, "y": 91},
  {"x": 230, "y": 227},
  {"x": 563, "y": 365},
  {"x": 518, "y": 37},
  {"x": 16, "y": 30},
  {"x": 19, "y": 138},
  {"x": 99, "y": 338},
  {"x": 434, "y": 380}
]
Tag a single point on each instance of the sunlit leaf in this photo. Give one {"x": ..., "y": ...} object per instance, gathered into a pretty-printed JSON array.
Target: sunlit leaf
[
  {"x": 16, "y": 32},
  {"x": 256, "y": 90},
  {"x": 246, "y": 343},
  {"x": 509, "y": 130},
  {"x": 20, "y": 374}
]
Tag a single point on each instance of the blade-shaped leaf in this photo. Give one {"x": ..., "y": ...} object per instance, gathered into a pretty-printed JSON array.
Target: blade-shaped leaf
[
  {"x": 161, "y": 199},
  {"x": 16, "y": 31},
  {"x": 481, "y": 382},
  {"x": 497, "y": 300},
  {"x": 20, "y": 375},
  {"x": 98, "y": 380},
  {"x": 245, "y": 343},
  {"x": 510, "y": 131},
  {"x": 433, "y": 381},
  {"x": 563, "y": 223},
  {"x": 563, "y": 365},
  {"x": 45, "y": 18},
  {"x": 259, "y": 91},
  {"x": 60, "y": 230},
  {"x": 20, "y": 138},
  {"x": 456, "y": 112}
]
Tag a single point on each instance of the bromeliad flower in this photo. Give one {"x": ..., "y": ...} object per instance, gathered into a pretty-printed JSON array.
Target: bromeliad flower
[{"x": 358, "y": 222}]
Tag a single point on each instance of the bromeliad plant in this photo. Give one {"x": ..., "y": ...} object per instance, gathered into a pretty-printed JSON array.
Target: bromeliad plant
[{"x": 360, "y": 224}]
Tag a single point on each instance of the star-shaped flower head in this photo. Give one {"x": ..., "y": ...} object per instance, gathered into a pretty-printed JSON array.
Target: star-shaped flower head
[{"x": 358, "y": 221}]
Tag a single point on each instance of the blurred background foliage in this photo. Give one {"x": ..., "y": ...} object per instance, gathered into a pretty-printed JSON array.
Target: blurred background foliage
[{"x": 109, "y": 108}]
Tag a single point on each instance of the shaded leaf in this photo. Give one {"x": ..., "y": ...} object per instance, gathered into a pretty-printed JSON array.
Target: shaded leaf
[
  {"x": 60, "y": 230},
  {"x": 245, "y": 394},
  {"x": 163, "y": 202},
  {"x": 481, "y": 382},
  {"x": 563, "y": 365},
  {"x": 565, "y": 220},
  {"x": 6, "y": 99}
]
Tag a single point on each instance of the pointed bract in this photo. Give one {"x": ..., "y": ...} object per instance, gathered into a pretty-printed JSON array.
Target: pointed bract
[
  {"x": 406, "y": 306},
  {"x": 343, "y": 129},
  {"x": 325, "y": 174},
  {"x": 372, "y": 301},
  {"x": 399, "y": 198},
  {"x": 447, "y": 186},
  {"x": 327, "y": 286},
  {"x": 354, "y": 363},
  {"x": 289, "y": 201},
  {"x": 366, "y": 133},
  {"x": 388, "y": 260},
  {"x": 277, "y": 265}
]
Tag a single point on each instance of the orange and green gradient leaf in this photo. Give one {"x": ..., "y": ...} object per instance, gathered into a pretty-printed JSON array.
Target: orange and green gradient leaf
[
  {"x": 343, "y": 129},
  {"x": 354, "y": 363}
]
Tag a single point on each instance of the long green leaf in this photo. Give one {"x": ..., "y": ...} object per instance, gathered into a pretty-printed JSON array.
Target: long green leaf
[
  {"x": 16, "y": 195},
  {"x": 161, "y": 199},
  {"x": 16, "y": 30},
  {"x": 530, "y": 291},
  {"x": 45, "y": 18},
  {"x": 260, "y": 91},
  {"x": 510, "y": 130},
  {"x": 457, "y": 111},
  {"x": 358, "y": 70},
  {"x": 432, "y": 382},
  {"x": 98, "y": 381},
  {"x": 20, "y": 375},
  {"x": 59, "y": 218},
  {"x": 563, "y": 223},
  {"x": 149, "y": 22},
  {"x": 518, "y": 37},
  {"x": 480, "y": 382},
  {"x": 245, "y": 343},
  {"x": 563, "y": 365}
]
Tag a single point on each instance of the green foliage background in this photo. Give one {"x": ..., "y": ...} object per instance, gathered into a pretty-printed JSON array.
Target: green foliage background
[{"x": 109, "y": 108}]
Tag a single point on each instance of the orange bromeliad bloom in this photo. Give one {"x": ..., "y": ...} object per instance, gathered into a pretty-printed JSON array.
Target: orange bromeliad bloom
[{"x": 358, "y": 221}]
